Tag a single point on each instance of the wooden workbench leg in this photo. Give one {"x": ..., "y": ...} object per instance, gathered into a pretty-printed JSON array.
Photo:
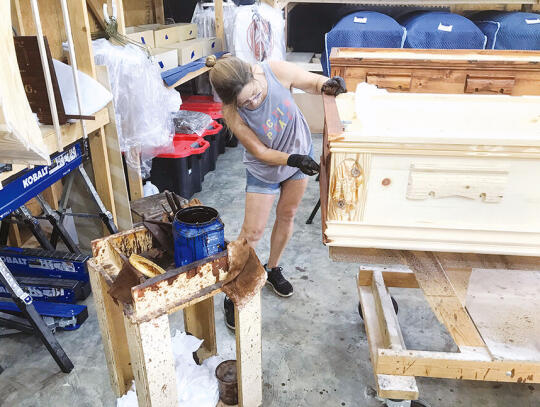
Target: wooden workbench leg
[
  {"x": 248, "y": 353},
  {"x": 152, "y": 361},
  {"x": 113, "y": 334},
  {"x": 199, "y": 321}
]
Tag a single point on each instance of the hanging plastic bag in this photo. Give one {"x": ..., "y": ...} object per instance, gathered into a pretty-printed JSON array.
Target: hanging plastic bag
[
  {"x": 142, "y": 103},
  {"x": 259, "y": 33}
]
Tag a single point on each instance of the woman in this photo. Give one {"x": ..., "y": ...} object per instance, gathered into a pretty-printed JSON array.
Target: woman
[{"x": 259, "y": 109}]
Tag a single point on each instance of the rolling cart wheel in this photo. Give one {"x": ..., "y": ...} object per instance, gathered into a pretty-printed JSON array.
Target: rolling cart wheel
[
  {"x": 413, "y": 403},
  {"x": 394, "y": 303}
]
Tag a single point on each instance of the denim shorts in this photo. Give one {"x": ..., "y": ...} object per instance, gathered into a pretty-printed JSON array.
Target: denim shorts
[{"x": 257, "y": 186}]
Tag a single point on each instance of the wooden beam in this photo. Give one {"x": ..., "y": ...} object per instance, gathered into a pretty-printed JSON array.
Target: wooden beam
[
  {"x": 113, "y": 333},
  {"x": 97, "y": 11},
  {"x": 388, "y": 386},
  {"x": 153, "y": 362},
  {"x": 393, "y": 277},
  {"x": 392, "y": 336},
  {"x": 179, "y": 288},
  {"x": 334, "y": 127},
  {"x": 199, "y": 321},
  {"x": 134, "y": 178},
  {"x": 220, "y": 28},
  {"x": 159, "y": 13},
  {"x": 102, "y": 170},
  {"x": 116, "y": 166},
  {"x": 248, "y": 353},
  {"x": 442, "y": 298},
  {"x": 80, "y": 30},
  {"x": 475, "y": 364},
  {"x": 16, "y": 17}
]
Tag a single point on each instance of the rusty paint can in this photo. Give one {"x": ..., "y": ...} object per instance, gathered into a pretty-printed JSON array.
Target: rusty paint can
[{"x": 227, "y": 382}]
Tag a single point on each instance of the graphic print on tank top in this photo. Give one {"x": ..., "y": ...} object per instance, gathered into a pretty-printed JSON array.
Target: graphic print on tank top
[
  {"x": 275, "y": 125},
  {"x": 278, "y": 124}
]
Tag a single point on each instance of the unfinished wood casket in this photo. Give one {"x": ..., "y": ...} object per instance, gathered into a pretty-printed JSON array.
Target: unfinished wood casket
[{"x": 454, "y": 173}]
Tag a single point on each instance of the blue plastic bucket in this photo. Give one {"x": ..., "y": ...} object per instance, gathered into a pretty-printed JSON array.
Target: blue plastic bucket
[{"x": 198, "y": 233}]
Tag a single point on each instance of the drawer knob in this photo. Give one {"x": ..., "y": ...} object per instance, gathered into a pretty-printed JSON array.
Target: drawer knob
[{"x": 385, "y": 182}]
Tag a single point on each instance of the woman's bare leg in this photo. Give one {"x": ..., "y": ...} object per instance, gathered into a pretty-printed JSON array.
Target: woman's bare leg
[
  {"x": 256, "y": 214},
  {"x": 289, "y": 200}
]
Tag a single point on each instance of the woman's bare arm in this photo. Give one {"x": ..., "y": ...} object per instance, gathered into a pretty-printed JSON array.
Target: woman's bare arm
[
  {"x": 250, "y": 141},
  {"x": 291, "y": 75}
]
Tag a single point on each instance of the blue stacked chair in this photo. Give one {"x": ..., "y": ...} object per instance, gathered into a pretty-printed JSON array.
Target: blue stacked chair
[
  {"x": 441, "y": 30},
  {"x": 362, "y": 29},
  {"x": 513, "y": 30}
]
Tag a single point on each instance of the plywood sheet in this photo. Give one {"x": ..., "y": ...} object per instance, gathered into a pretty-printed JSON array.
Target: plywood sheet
[{"x": 504, "y": 306}]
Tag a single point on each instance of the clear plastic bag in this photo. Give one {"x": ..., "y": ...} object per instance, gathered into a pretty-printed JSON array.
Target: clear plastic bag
[
  {"x": 206, "y": 22},
  {"x": 188, "y": 122},
  {"x": 143, "y": 104},
  {"x": 259, "y": 34}
]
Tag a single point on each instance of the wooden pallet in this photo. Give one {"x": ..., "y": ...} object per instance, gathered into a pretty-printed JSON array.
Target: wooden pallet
[
  {"x": 137, "y": 339},
  {"x": 443, "y": 278}
]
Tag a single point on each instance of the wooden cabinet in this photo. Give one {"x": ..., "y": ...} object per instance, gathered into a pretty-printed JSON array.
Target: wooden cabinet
[
  {"x": 440, "y": 71},
  {"x": 453, "y": 173}
]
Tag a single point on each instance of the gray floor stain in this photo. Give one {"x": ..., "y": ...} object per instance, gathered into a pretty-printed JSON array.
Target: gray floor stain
[{"x": 315, "y": 351}]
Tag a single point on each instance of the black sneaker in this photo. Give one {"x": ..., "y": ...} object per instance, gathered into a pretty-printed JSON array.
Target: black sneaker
[
  {"x": 228, "y": 308},
  {"x": 278, "y": 283}
]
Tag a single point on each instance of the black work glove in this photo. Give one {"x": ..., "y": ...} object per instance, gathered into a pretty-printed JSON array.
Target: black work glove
[
  {"x": 334, "y": 86},
  {"x": 305, "y": 163}
]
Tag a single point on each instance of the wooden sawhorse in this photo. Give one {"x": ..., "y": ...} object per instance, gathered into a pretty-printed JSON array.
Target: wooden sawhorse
[{"x": 136, "y": 336}]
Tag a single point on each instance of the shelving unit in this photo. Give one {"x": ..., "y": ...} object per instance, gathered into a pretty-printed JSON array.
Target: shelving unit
[{"x": 103, "y": 142}]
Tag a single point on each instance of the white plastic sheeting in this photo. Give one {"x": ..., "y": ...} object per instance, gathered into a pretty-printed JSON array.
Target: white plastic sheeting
[
  {"x": 142, "y": 103},
  {"x": 197, "y": 386},
  {"x": 206, "y": 22},
  {"x": 94, "y": 96}
]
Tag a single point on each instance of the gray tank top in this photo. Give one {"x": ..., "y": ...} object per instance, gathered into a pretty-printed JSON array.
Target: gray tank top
[{"x": 280, "y": 125}]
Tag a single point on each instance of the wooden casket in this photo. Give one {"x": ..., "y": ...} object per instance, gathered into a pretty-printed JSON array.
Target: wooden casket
[
  {"x": 440, "y": 71},
  {"x": 414, "y": 171}
]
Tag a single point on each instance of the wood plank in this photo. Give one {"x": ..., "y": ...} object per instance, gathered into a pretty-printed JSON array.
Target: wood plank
[
  {"x": 393, "y": 276},
  {"x": 16, "y": 17},
  {"x": 118, "y": 179},
  {"x": 384, "y": 309},
  {"x": 152, "y": 360},
  {"x": 248, "y": 353},
  {"x": 175, "y": 288},
  {"x": 102, "y": 171},
  {"x": 72, "y": 132},
  {"x": 388, "y": 386},
  {"x": 80, "y": 30},
  {"x": 199, "y": 321},
  {"x": 473, "y": 365},
  {"x": 138, "y": 12},
  {"x": 134, "y": 179},
  {"x": 334, "y": 128},
  {"x": 96, "y": 8},
  {"x": 113, "y": 333},
  {"x": 442, "y": 298},
  {"x": 159, "y": 13},
  {"x": 220, "y": 27}
]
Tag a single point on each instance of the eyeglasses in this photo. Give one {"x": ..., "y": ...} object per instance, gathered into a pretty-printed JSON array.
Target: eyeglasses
[{"x": 256, "y": 96}]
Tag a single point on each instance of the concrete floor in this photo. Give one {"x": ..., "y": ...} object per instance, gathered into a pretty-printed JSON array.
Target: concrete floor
[{"x": 315, "y": 351}]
